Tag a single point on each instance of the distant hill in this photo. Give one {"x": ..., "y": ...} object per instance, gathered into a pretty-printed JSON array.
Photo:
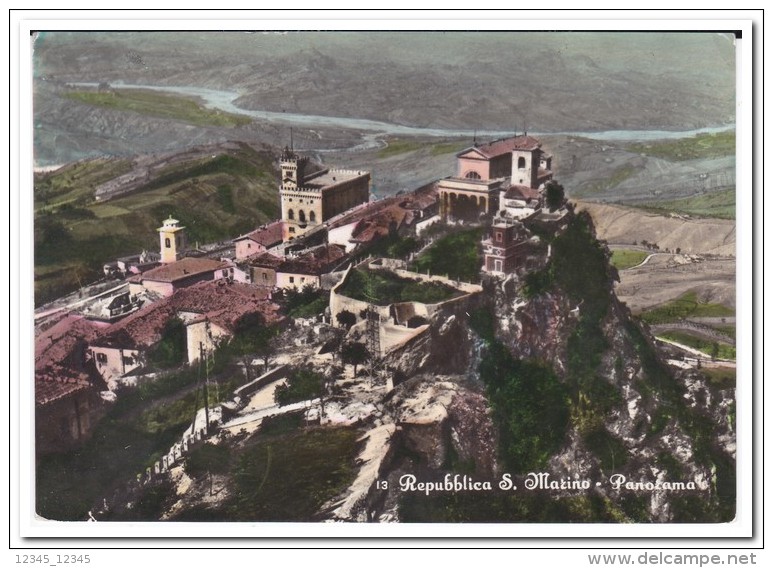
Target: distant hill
[
  {"x": 217, "y": 191},
  {"x": 536, "y": 81}
]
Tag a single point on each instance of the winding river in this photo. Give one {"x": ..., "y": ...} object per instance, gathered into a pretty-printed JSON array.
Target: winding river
[{"x": 224, "y": 101}]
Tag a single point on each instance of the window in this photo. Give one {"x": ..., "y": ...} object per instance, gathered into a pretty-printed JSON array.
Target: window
[
  {"x": 167, "y": 243},
  {"x": 521, "y": 163},
  {"x": 292, "y": 279},
  {"x": 290, "y": 214},
  {"x": 292, "y": 229},
  {"x": 301, "y": 216},
  {"x": 472, "y": 175},
  {"x": 101, "y": 358},
  {"x": 312, "y": 217},
  {"x": 499, "y": 236},
  {"x": 303, "y": 279},
  {"x": 265, "y": 276}
]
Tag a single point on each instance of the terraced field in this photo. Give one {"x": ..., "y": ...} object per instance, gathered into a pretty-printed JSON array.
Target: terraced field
[{"x": 227, "y": 193}]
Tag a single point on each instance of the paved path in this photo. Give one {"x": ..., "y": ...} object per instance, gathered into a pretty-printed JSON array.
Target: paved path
[
  {"x": 272, "y": 410},
  {"x": 646, "y": 260},
  {"x": 698, "y": 354},
  {"x": 696, "y": 328}
]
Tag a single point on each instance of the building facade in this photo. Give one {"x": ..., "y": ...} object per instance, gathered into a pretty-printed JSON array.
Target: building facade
[
  {"x": 487, "y": 170},
  {"x": 310, "y": 199}
]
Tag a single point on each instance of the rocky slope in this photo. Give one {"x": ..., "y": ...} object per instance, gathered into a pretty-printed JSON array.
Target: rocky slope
[{"x": 653, "y": 445}]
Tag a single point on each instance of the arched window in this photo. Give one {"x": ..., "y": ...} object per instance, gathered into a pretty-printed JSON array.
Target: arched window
[
  {"x": 301, "y": 216},
  {"x": 312, "y": 217},
  {"x": 472, "y": 175},
  {"x": 290, "y": 214},
  {"x": 168, "y": 243},
  {"x": 521, "y": 163}
]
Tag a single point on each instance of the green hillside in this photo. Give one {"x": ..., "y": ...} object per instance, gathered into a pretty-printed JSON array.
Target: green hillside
[
  {"x": 226, "y": 193},
  {"x": 162, "y": 105},
  {"x": 718, "y": 204}
]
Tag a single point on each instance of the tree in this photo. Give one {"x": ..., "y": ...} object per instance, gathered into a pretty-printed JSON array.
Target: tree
[
  {"x": 354, "y": 354},
  {"x": 208, "y": 459},
  {"x": 346, "y": 319},
  {"x": 554, "y": 195},
  {"x": 253, "y": 337},
  {"x": 303, "y": 384},
  {"x": 171, "y": 350}
]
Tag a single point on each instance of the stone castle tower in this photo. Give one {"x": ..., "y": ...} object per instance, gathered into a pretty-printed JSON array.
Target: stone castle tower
[
  {"x": 293, "y": 169},
  {"x": 309, "y": 199},
  {"x": 173, "y": 240}
]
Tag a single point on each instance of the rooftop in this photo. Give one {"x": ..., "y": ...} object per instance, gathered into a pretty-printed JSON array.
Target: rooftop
[
  {"x": 314, "y": 262},
  {"x": 268, "y": 235},
  {"x": 264, "y": 260},
  {"x": 380, "y": 224},
  {"x": 504, "y": 146},
  {"x": 185, "y": 268},
  {"x": 56, "y": 344},
  {"x": 522, "y": 192},
  {"x": 219, "y": 300},
  {"x": 55, "y": 382},
  {"x": 327, "y": 178}
]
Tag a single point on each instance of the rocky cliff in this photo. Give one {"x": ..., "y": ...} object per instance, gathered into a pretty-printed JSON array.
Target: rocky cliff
[{"x": 560, "y": 408}]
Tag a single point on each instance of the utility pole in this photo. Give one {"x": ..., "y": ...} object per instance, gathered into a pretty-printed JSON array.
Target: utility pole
[
  {"x": 206, "y": 390},
  {"x": 373, "y": 334}
]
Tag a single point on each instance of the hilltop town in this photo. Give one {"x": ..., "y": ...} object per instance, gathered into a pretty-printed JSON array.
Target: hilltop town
[{"x": 372, "y": 325}]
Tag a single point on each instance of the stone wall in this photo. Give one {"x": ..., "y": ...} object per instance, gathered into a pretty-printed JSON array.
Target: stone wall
[{"x": 339, "y": 302}]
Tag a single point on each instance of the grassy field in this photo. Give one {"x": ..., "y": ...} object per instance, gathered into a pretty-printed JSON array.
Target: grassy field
[
  {"x": 718, "y": 204},
  {"x": 622, "y": 259},
  {"x": 713, "y": 348},
  {"x": 215, "y": 198},
  {"x": 399, "y": 146},
  {"x": 74, "y": 184},
  {"x": 448, "y": 148},
  {"x": 285, "y": 475},
  {"x": 686, "y": 305},
  {"x": 161, "y": 105},
  {"x": 699, "y": 146},
  {"x": 721, "y": 377},
  {"x": 385, "y": 288},
  {"x": 456, "y": 255},
  {"x": 618, "y": 176}
]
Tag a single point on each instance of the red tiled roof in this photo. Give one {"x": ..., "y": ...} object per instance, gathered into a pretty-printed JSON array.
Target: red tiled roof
[
  {"x": 218, "y": 299},
  {"x": 421, "y": 198},
  {"x": 56, "y": 382},
  {"x": 504, "y": 146},
  {"x": 522, "y": 192},
  {"x": 185, "y": 268},
  {"x": 315, "y": 262},
  {"x": 267, "y": 236},
  {"x": 379, "y": 224},
  {"x": 264, "y": 260},
  {"x": 56, "y": 344}
]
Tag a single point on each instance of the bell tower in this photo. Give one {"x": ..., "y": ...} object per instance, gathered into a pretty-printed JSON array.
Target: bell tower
[{"x": 173, "y": 241}]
